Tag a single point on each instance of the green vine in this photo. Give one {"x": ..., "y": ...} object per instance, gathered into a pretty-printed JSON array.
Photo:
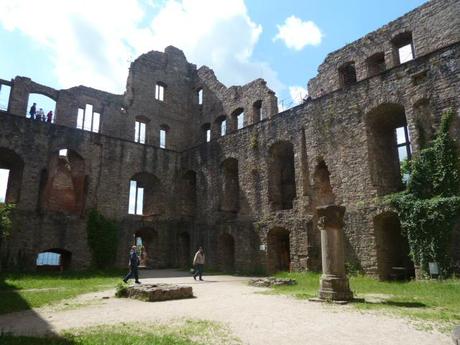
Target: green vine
[
  {"x": 430, "y": 206},
  {"x": 102, "y": 239},
  {"x": 6, "y": 223}
]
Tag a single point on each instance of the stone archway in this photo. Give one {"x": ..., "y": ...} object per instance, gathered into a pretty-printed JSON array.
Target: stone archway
[
  {"x": 226, "y": 253},
  {"x": 54, "y": 259},
  {"x": 278, "y": 250},
  {"x": 148, "y": 247}
]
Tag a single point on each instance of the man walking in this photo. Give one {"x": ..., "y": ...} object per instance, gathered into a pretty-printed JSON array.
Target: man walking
[
  {"x": 198, "y": 262},
  {"x": 133, "y": 264}
]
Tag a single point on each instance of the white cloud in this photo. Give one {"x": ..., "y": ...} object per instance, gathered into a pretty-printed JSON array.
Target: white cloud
[
  {"x": 91, "y": 42},
  {"x": 297, "y": 93},
  {"x": 296, "y": 34}
]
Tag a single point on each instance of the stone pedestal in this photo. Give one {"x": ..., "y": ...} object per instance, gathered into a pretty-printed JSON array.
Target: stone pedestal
[{"x": 334, "y": 282}]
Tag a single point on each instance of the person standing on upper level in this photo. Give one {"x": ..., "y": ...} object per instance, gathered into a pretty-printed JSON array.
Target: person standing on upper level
[
  {"x": 49, "y": 116},
  {"x": 33, "y": 111}
]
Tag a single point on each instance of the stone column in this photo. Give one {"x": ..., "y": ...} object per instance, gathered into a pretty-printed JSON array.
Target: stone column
[{"x": 334, "y": 282}]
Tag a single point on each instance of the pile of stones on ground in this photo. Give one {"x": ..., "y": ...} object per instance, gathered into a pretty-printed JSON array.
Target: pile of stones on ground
[
  {"x": 271, "y": 281},
  {"x": 156, "y": 292}
]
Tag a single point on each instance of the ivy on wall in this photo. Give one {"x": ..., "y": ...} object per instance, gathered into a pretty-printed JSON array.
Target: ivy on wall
[
  {"x": 6, "y": 223},
  {"x": 430, "y": 206},
  {"x": 102, "y": 239}
]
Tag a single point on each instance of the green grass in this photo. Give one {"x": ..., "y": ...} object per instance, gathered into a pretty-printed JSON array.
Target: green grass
[
  {"x": 184, "y": 332},
  {"x": 436, "y": 301},
  {"x": 22, "y": 291}
]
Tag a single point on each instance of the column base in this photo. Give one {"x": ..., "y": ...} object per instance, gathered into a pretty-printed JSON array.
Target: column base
[{"x": 334, "y": 288}]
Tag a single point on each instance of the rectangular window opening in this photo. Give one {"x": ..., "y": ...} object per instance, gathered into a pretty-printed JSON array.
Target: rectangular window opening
[
  {"x": 140, "y": 201},
  {"x": 405, "y": 53},
  {"x": 162, "y": 138},
  {"x": 80, "y": 118},
  {"x": 240, "y": 119},
  {"x": 4, "y": 97},
  {"x": 223, "y": 128},
  {"x": 208, "y": 135},
  {"x": 4, "y": 175},
  {"x": 132, "y": 197},
  {"x": 159, "y": 92},
  {"x": 200, "y": 97},
  {"x": 63, "y": 153}
]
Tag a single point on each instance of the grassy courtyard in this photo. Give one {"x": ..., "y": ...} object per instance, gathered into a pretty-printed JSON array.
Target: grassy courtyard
[
  {"x": 22, "y": 291},
  {"x": 436, "y": 301}
]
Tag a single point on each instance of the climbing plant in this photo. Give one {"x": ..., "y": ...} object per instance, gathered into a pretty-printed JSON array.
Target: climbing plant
[
  {"x": 429, "y": 207},
  {"x": 5, "y": 220},
  {"x": 102, "y": 239}
]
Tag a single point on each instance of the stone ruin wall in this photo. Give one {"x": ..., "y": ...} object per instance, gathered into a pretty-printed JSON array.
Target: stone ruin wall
[{"x": 333, "y": 131}]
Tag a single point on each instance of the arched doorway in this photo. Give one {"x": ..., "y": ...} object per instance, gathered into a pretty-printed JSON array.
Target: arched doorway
[
  {"x": 183, "y": 255},
  {"x": 54, "y": 259},
  {"x": 393, "y": 261},
  {"x": 148, "y": 247},
  {"x": 226, "y": 253},
  {"x": 278, "y": 250}
]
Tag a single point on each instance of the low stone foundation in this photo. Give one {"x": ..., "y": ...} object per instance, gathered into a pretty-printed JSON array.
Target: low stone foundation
[
  {"x": 157, "y": 292},
  {"x": 271, "y": 281}
]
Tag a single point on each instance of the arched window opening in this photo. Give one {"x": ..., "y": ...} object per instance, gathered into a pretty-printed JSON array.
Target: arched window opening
[
  {"x": 206, "y": 132},
  {"x": 388, "y": 146},
  {"x": 41, "y": 108},
  {"x": 393, "y": 261},
  {"x": 5, "y": 91},
  {"x": 403, "y": 48},
  {"x": 200, "y": 96},
  {"x": 278, "y": 250},
  {"x": 221, "y": 122},
  {"x": 164, "y": 129},
  {"x": 375, "y": 64},
  {"x": 160, "y": 91},
  {"x": 282, "y": 187},
  {"x": 11, "y": 168},
  {"x": 238, "y": 118},
  {"x": 230, "y": 185},
  {"x": 53, "y": 260},
  {"x": 188, "y": 192},
  {"x": 88, "y": 120},
  {"x": 323, "y": 189},
  {"x": 148, "y": 247},
  {"x": 257, "y": 111},
  {"x": 347, "y": 74},
  {"x": 184, "y": 253},
  {"x": 65, "y": 188},
  {"x": 140, "y": 130},
  {"x": 145, "y": 195},
  {"x": 226, "y": 253}
]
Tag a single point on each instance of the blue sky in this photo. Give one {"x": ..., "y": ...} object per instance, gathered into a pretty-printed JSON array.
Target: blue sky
[{"x": 90, "y": 42}]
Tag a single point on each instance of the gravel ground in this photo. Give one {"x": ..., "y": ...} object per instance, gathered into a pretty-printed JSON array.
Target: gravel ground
[{"x": 255, "y": 318}]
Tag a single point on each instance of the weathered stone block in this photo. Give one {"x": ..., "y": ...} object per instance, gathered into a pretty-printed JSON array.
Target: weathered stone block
[
  {"x": 158, "y": 292},
  {"x": 271, "y": 281}
]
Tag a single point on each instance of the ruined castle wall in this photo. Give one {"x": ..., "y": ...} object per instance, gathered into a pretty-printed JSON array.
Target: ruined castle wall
[{"x": 434, "y": 25}]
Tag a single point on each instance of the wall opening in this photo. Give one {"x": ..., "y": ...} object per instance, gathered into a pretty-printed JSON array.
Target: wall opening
[
  {"x": 221, "y": 123},
  {"x": 65, "y": 188},
  {"x": 238, "y": 118},
  {"x": 88, "y": 120},
  {"x": 148, "y": 247},
  {"x": 54, "y": 259},
  {"x": 230, "y": 185},
  {"x": 282, "y": 186},
  {"x": 184, "y": 254},
  {"x": 5, "y": 91},
  {"x": 257, "y": 113},
  {"x": 11, "y": 168},
  {"x": 347, "y": 74},
  {"x": 278, "y": 250},
  {"x": 160, "y": 91},
  {"x": 375, "y": 64},
  {"x": 226, "y": 253},
  {"x": 45, "y": 108},
  {"x": 140, "y": 130},
  {"x": 403, "y": 48},
  {"x": 388, "y": 144},
  {"x": 323, "y": 189},
  {"x": 145, "y": 195},
  {"x": 206, "y": 132},
  {"x": 393, "y": 261},
  {"x": 164, "y": 129},
  {"x": 200, "y": 96}
]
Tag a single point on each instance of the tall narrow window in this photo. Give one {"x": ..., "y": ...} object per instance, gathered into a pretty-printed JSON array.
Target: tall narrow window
[
  {"x": 240, "y": 120},
  {"x": 200, "y": 96},
  {"x": 164, "y": 129},
  {"x": 139, "y": 132},
  {"x": 88, "y": 120},
  {"x": 347, "y": 74},
  {"x": 4, "y": 174},
  {"x": 237, "y": 119},
  {"x": 160, "y": 91},
  {"x": 206, "y": 129},
  {"x": 4, "y": 96},
  {"x": 136, "y": 198},
  {"x": 403, "y": 141},
  {"x": 223, "y": 128}
]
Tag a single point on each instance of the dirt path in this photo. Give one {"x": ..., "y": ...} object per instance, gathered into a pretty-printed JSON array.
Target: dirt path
[{"x": 256, "y": 319}]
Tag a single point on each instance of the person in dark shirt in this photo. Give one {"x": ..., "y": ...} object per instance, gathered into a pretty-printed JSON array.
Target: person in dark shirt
[
  {"x": 133, "y": 264},
  {"x": 33, "y": 111}
]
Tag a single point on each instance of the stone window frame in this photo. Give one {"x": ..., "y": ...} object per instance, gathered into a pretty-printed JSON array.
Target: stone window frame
[
  {"x": 160, "y": 91},
  {"x": 347, "y": 74},
  {"x": 206, "y": 132},
  {"x": 138, "y": 122},
  {"x": 94, "y": 125},
  {"x": 164, "y": 131},
  {"x": 375, "y": 64},
  {"x": 401, "y": 40},
  {"x": 200, "y": 95}
]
